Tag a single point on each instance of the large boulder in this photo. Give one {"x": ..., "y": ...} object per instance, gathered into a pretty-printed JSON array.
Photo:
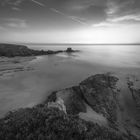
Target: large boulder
[
  {"x": 72, "y": 98},
  {"x": 99, "y": 91}
]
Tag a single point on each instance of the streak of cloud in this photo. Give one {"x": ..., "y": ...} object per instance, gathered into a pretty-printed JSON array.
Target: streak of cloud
[
  {"x": 58, "y": 12},
  {"x": 38, "y": 3},
  {"x": 76, "y": 19},
  {"x": 16, "y": 9},
  {"x": 73, "y": 18},
  {"x": 127, "y": 17}
]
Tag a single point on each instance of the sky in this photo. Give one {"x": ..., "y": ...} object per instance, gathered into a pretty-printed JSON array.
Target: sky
[{"x": 70, "y": 21}]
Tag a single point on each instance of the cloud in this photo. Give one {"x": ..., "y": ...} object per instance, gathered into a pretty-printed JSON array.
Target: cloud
[
  {"x": 11, "y": 2},
  {"x": 122, "y": 12},
  {"x": 127, "y": 18},
  {"x": 89, "y": 10},
  {"x": 14, "y": 23},
  {"x": 84, "y": 12},
  {"x": 77, "y": 10},
  {"x": 15, "y": 4},
  {"x": 17, "y": 25},
  {"x": 102, "y": 25},
  {"x": 16, "y": 9},
  {"x": 119, "y": 21},
  {"x": 119, "y": 8}
]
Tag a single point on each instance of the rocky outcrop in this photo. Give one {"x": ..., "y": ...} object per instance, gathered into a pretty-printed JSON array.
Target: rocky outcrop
[
  {"x": 58, "y": 117},
  {"x": 134, "y": 90},
  {"x": 72, "y": 98},
  {"x": 98, "y": 96},
  {"x": 70, "y": 50},
  {"x": 59, "y": 104},
  {"x": 48, "y": 123},
  {"x": 98, "y": 91},
  {"x": 133, "y": 85},
  {"x": 12, "y": 50}
]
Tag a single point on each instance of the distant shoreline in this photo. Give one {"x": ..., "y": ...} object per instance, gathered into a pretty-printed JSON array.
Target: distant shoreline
[
  {"x": 26, "y": 43},
  {"x": 13, "y": 50}
]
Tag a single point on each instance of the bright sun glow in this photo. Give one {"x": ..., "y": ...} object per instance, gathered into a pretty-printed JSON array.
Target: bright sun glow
[{"x": 118, "y": 34}]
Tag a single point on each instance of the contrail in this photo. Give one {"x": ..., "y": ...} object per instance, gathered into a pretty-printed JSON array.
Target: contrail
[
  {"x": 70, "y": 17},
  {"x": 76, "y": 19},
  {"x": 38, "y": 3},
  {"x": 56, "y": 11}
]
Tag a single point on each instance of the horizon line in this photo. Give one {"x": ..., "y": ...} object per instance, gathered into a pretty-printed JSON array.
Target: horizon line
[{"x": 70, "y": 43}]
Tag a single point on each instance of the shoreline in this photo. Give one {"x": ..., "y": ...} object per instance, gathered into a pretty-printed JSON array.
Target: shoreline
[
  {"x": 15, "y": 58},
  {"x": 9, "y": 66},
  {"x": 13, "y": 50},
  {"x": 55, "y": 66}
]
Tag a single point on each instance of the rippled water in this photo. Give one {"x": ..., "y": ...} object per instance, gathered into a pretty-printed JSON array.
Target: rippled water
[{"x": 55, "y": 72}]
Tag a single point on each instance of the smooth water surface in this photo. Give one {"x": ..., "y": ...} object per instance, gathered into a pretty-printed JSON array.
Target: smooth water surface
[{"x": 54, "y": 72}]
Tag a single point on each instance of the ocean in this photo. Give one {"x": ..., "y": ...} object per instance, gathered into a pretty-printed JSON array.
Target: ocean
[{"x": 55, "y": 72}]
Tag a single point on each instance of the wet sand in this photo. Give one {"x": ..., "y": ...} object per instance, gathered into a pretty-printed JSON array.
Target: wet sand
[{"x": 10, "y": 66}]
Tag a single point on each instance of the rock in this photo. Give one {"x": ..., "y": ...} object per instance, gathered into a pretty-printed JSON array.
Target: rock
[
  {"x": 72, "y": 99},
  {"x": 52, "y": 124},
  {"x": 12, "y": 50},
  {"x": 70, "y": 50},
  {"x": 133, "y": 85},
  {"x": 59, "y": 103},
  {"x": 97, "y": 91},
  {"x": 58, "y": 117}
]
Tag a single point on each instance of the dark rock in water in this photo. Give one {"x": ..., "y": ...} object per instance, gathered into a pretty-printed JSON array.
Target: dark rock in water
[{"x": 70, "y": 50}]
